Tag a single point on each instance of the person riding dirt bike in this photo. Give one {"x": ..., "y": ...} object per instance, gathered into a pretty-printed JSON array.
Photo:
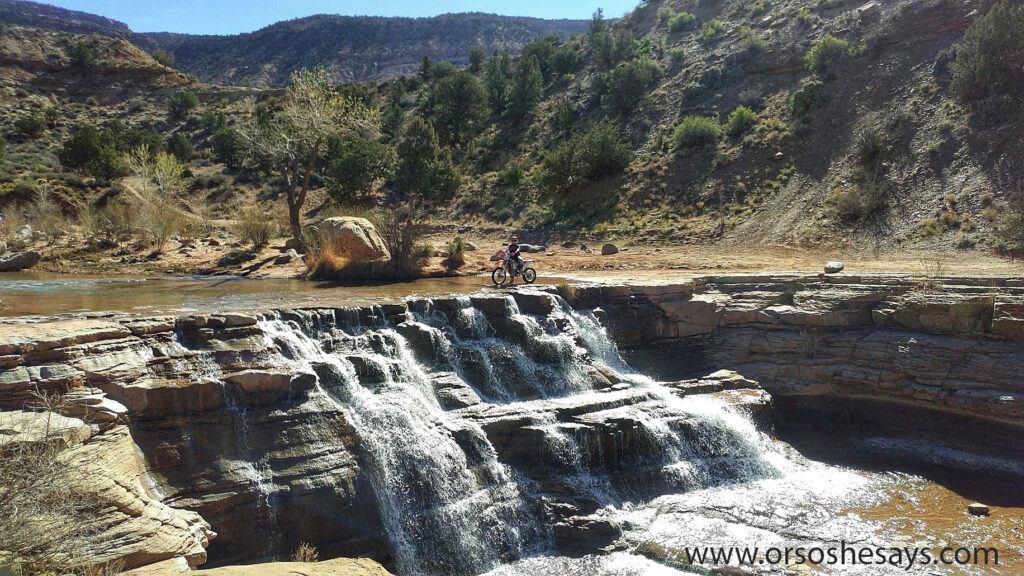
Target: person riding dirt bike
[
  {"x": 512, "y": 257},
  {"x": 512, "y": 265}
]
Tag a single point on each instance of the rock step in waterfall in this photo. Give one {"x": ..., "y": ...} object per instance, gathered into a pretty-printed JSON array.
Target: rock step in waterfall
[{"x": 449, "y": 435}]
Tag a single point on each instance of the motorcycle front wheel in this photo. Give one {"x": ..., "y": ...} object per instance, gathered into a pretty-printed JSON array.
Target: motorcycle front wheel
[
  {"x": 529, "y": 275},
  {"x": 499, "y": 276}
]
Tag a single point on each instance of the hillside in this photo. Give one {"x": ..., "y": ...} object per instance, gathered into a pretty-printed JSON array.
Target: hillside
[
  {"x": 353, "y": 49},
  {"x": 49, "y": 17},
  {"x": 731, "y": 122},
  {"x": 871, "y": 148}
]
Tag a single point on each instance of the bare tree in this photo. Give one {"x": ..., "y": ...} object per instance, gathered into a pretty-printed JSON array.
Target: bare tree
[
  {"x": 293, "y": 140},
  {"x": 157, "y": 181}
]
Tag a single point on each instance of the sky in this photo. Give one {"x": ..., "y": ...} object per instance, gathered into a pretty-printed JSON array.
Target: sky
[{"x": 235, "y": 16}]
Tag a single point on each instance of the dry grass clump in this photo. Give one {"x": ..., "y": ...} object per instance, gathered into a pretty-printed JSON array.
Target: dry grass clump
[
  {"x": 323, "y": 262},
  {"x": 305, "y": 553},
  {"x": 46, "y": 518},
  {"x": 255, "y": 227}
]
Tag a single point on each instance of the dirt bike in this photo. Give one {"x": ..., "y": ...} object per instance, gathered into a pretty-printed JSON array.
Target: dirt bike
[{"x": 507, "y": 271}]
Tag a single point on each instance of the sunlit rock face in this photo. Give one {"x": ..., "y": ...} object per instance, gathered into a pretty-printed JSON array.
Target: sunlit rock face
[
  {"x": 467, "y": 434},
  {"x": 952, "y": 346}
]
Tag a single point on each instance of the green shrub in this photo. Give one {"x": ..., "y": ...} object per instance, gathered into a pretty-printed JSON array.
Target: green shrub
[
  {"x": 214, "y": 121},
  {"x": 512, "y": 176},
  {"x": 164, "y": 58},
  {"x": 760, "y": 7},
  {"x": 52, "y": 116},
  {"x": 82, "y": 54},
  {"x": 696, "y": 132},
  {"x": 1010, "y": 234},
  {"x": 181, "y": 102},
  {"x": 356, "y": 165},
  {"x": 854, "y": 204},
  {"x": 811, "y": 96},
  {"x": 804, "y": 18},
  {"x": 456, "y": 249},
  {"x": 92, "y": 151},
  {"x": 677, "y": 56},
  {"x": 31, "y": 125},
  {"x": 681, "y": 21},
  {"x": 751, "y": 41},
  {"x": 585, "y": 158},
  {"x": 630, "y": 82},
  {"x": 990, "y": 60},
  {"x": 825, "y": 53},
  {"x": 181, "y": 147},
  {"x": 739, "y": 120},
  {"x": 710, "y": 30},
  {"x": 565, "y": 59},
  {"x": 227, "y": 147}
]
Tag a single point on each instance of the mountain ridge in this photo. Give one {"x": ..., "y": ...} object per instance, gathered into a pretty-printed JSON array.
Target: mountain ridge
[{"x": 352, "y": 48}]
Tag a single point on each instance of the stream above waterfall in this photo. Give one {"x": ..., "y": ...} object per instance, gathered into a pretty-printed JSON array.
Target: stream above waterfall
[{"x": 48, "y": 294}]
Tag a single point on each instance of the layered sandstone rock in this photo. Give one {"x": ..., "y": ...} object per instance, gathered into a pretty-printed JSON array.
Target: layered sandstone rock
[
  {"x": 954, "y": 346},
  {"x": 335, "y": 567}
]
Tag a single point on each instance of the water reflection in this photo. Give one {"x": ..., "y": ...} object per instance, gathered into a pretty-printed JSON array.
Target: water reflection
[{"x": 50, "y": 294}]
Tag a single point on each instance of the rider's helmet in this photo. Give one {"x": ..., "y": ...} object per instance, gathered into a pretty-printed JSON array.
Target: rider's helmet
[{"x": 514, "y": 238}]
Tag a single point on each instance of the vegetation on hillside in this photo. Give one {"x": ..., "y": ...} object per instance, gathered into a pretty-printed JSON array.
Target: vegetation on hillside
[{"x": 682, "y": 121}]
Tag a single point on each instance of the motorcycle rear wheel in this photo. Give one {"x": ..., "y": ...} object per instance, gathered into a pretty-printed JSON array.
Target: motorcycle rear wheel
[{"x": 529, "y": 275}]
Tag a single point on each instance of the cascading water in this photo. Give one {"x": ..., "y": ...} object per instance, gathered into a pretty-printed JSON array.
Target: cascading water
[{"x": 448, "y": 503}]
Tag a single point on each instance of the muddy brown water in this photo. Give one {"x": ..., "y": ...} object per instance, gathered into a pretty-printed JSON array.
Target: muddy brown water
[{"x": 46, "y": 294}]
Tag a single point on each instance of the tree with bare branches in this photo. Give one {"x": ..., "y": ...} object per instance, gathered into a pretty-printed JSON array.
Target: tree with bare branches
[{"x": 292, "y": 141}]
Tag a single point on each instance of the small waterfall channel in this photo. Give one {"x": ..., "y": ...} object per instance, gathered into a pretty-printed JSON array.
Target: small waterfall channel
[{"x": 473, "y": 415}]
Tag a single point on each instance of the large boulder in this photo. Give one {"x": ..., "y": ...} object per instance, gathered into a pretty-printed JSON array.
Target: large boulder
[
  {"x": 355, "y": 238},
  {"x": 22, "y": 261}
]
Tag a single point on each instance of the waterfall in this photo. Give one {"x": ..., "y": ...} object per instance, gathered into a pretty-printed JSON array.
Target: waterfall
[{"x": 449, "y": 502}]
